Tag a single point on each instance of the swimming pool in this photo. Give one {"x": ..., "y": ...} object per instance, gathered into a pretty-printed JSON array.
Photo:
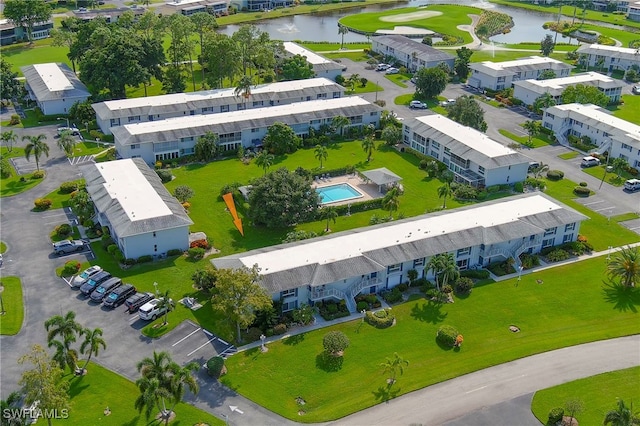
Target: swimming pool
[{"x": 339, "y": 192}]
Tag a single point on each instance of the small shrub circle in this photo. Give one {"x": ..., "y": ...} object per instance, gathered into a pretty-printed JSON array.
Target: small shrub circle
[
  {"x": 582, "y": 191},
  {"x": 583, "y": 184},
  {"x": 555, "y": 174},
  {"x": 446, "y": 335}
]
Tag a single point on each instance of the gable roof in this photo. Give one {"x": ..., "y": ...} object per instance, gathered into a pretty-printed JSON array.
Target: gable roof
[
  {"x": 409, "y": 46},
  {"x": 531, "y": 63},
  {"x": 54, "y": 81}
]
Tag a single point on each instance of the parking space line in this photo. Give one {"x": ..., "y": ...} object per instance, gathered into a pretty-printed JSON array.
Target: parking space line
[
  {"x": 201, "y": 346},
  {"x": 135, "y": 318},
  {"x": 186, "y": 337},
  {"x": 208, "y": 333},
  {"x": 604, "y": 208},
  {"x": 594, "y": 202},
  {"x": 225, "y": 351}
]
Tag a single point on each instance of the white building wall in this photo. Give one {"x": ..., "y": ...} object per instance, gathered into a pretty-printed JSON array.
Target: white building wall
[
  {"x": 629, "y": 152},
  {"x": 506, "y": 174},
  {"x": 147, "y": 244},
  {"x": 59, "y": 106}
]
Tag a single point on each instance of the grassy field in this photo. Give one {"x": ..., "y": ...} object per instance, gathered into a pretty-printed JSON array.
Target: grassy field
[
  {"x": 452, "y": 16},
  {"x": 600, "y": 171},
  {"x": 402, "y": 80},
  {"x": 11, "y": 320},
  {"x": 370, "y": 87},
  {"x": 569, "y": 155},
  {"x": 101, "y": 388},
  {"x": 536, "y": 142},
  {"x": 13, "y": 185},
  {"x": 598, "y": 393},
  {"x": 629, "y": 110},
  {"x": 60, "y": 200},
  {"x": 571, "y": 306},
  {"x": 332, "y": 47},
  {"x": 536, "y": 46},
  {"x": 354, "y": 56},
  {"x": 625, "y": 37},
  {"x": 3, "y": 247}
]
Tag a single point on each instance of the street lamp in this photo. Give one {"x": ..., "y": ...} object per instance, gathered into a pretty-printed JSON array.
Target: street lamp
[
  {"x": 63, "y": 118},
  {"x": 263, "y": 348},
  {"x": 609, "y": 254},
  {"x": 520, "y": 268},
  {"x": 156, "y": 287}
]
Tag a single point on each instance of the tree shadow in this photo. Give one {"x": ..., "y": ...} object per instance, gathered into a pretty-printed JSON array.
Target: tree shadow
[
  {"x": 76, "y": 386},
  {"x": 385, "y": 393},
  {"x": 623, "y": 298},
  {"x": 444, "y": 347},
  {"x": 429, "y": 312},
  {"x": 294, "y": 340},
  {"x": 329, "y": 363}
]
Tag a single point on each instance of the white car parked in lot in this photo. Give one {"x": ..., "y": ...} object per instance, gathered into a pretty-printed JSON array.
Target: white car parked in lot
[
  {"x": 78, "y": 280},
  {"x": 151, "y": 311},
  {"x": 417, "y": 105},
  {"x": 393, "y": 71}
]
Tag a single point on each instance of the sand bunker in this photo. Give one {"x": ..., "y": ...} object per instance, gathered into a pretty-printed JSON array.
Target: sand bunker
[
  {"x": 408, "y": 17},
  {"x": 406, "y": 31}
]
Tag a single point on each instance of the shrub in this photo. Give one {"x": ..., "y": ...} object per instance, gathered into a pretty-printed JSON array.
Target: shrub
[
  {"x": 129, "y": 262},
  {"x": 42, "y": 203},
  {"x": 164, "y": 175},
  {"x": 476, "y": 274},
  {"x": 446, "y": 335},
  {"x": 583, "y": 183},
  {"x": 111, "y": 249},
  {"x": 529, "y": 260},
  {"x": 332, "y": 308},
  {"x": 118, "y": 255},
  {"x": 186, "y": 205},
  {"x": 403, "y": 287},
  {"x": 335, "y": 342},
  {"x": 215, "y": 366},
  {"x": 106, "y": 242},
  {"x": 381, "y": 103},
  {"x": 464, "y": 285},
  {"x": 145, "y": 259},
  {"x": 38, "y": 174},
  {"x": 253, "y": 334},
  {"x": 63, "y": 230},
  {"x": 555, "y": 175},
  {"x": 200, "y": 243},
  {"x": 303, "y": 315},
  {"x": 280, "y": 329},
  {"x": 71, "y": 267},
  {"x": 88, "y": 223},
  {"x": 581, "y": 191},
  {"x": 174, "y": 252},
  {"x": 555, "y": 415},
  {"x": 447, "y": 289},
  {"x": 68, "y": 187},
  {"x": 423, "y": 164},
  {"x": 518, "y": 187},
  {"x": 196, "y": 253},
  {"x": 362, "y": 306},
  {"x": 465, "y": 192},
  {"x": 380, "y": 319},
  {"x": 15, "y": 120},
  {"x": 5, "y": 168},
  {"x": 393, "y": 296},
  {"x": 482, "y": 195},
  {"x": 557, "y": 255}
]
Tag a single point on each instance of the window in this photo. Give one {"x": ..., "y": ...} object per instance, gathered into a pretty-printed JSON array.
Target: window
[
  {"x": 336, "y": 94},
  {"x": 463, "y": 264},
  {"x": 550, "y": 231},
  {"x": 394, "y": 268},
  {"x": 373, "y": 114},
  {"x": 435, "y": 145},
  {"x": 224, "y": 108},
  {"x": 567, "y": 238},
  {"x": 464, "y": 251},
  {"x": 481, "y": 170},
  {"x": 255, "y": 130},
  {"x": 418, "y": 262},
  {"x": 569, "y": 227},
  {"x": 258, "y": 103},
  {"x": 134, "y": 118},
  {"x": 289, "y": 293},
  {"x": 289, "y": 306},
  {"x": 135, "y": 146},
  {"x": 154, "y": 235},
  {"x": 547, "y": 243},
  {"x": 240, "y": 107},
  {"x": 192, "y": 112},
  {"x": 155, "y": 247}
]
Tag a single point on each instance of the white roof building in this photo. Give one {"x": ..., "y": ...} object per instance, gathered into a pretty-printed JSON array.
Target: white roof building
[
  {"x": 412, "y": 54},
  {"x": 610, "y": 57},
  {"x": 322, "y": 66},
  {"x": 501, "y": 75},
  {"x": 54, "y": 87}
]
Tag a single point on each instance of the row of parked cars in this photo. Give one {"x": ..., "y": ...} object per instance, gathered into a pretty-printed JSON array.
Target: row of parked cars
[
  {"x": 388, "y": 69},
  {"x": 101, "y": 287}
]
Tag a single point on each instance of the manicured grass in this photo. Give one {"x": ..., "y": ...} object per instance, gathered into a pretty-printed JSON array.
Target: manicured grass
[
  {"x": 87, "y": 148},
  {"x": 403, "y": 99},
  {"x": 12, "y": 185},
  {"x": 354, "y": 56},
  {"x": 569, "y": 155},
  {"x": 75, "y": 235},
  {"x": 452, "y": 16},
  {"x": 625, "y": 216},
  {"x": 629, "y": 110},
  {"x": 42, "y": 51},
  {"x": 11, "y": 321},
  {"x": 599, "y": 394},
  {"x": 536, "y": 142},
  {"x": 536, "y": 46},
  {"x": 401, "y": 80},
  {"x": 370, "y": 87},
  {"x": 625, "y": 37},
  {"x": 571, "y": 306},
  {"x": 599, "y": 230},
  {"x": 3, "y": 247},
  {"x": 101, "y": 388},
  {"x": 329, "y": 47},
  {"x": 612, "y": 178},
  {"x": 60, "y": 200}
]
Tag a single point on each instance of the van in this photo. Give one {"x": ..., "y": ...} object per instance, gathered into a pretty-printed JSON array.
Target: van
[
  {"x": 632, "y": 185},
  {"x": 589, "y": 161}
]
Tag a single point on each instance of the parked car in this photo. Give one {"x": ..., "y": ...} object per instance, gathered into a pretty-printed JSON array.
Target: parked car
[
  {"x": 134, "y": 302},
  {"x": 150, "y": 310},
  {"x": 119, "y": 295},
  {"x": 417, "y": 105},
  {"x": 67, "y": 246},
  {"x": 382, "y": 67},
  {"x": 589, "y": 161},
  {"x": 532, "y": 166},
  {"x": 393, "y": 70},
  {"x": 93, "y": 282},
  {"x": 636, "y": 89},
  {"x": 74, "y": 130},
  {"x": 105, "y": 288},
  {"x": 632, "y": 185},
  {"x": 78, "y": 280}
]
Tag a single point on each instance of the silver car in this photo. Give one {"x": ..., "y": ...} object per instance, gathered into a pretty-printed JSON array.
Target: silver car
[
  {"x": 78, "y": 280},
  {"x": 67, "y": 246}
]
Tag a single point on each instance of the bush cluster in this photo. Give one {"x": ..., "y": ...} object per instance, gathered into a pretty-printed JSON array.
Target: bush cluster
[
  {"x": 298, "y": 236},
  {"x": 555, "y": 174},
  {"x": 380, "y": 319},
  {"x": 529, "y": 260},
  {"x": 199, "y": 243},
  {"x": 464, "y": 192},
  {"x": 476, "y": 274},
  {"x": 145, "y": 259},
  {"x": 196, "y": 253},
  {"x": 38, "y": 174},
  {"x": 5, "y": 168},
  {"x": 71, "y": 267},
  {"x": 63, "y": 230},
  {"x": 215, "y": 366},
  {"x": 557, "y": 255},
  {"x": 555, "y": 415},
  {"x": 68, "y": 187},
  {"x": 463, "y": 285},
  {"x": 164, "y": 175},
  {"x": 582, "y": 191},
  {"x": 174, "y": 252},
  {"x": 42, "y": 203},
  {"x": 446, "y": 335},
  {"x": 393, "y": 296},
  {"x": 359, "y": 207},
  {"x": 332, "y": 310},
  {"x": 280, "y": 329},
  {"x": 534, "y": 183}
]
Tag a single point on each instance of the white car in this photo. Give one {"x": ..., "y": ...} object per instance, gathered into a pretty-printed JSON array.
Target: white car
[
  {"x": 417, "y": 105},
  {"x": 150, "y": 310},
  {"x": 393, "y": 71},
  {"x": 78, "y": 280},
  {"x": 382, "y": 67},
  {"x": 74, "y": 130}
]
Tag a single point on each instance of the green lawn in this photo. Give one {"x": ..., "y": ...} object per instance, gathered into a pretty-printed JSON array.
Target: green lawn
[
  {"x": 446, "y": 23},
  {"x": 87, "y": 148},
  {"x": 536, "y": 142},
  {"x": 370, "y": 87},
  {"x": 354, "y": 56},
  {"x": 401, "y": 80},
  {"x": 12, "y": 185},
  {"x": 569, "y": 155},
  {"x": 101, "y": 388},
  {"x": 598, "y": 393},
  {"x": 329, "y": 47},
  {"x": 612, "y": 178},
  {"x": 536, "y": 46},
  {"x": 403, "y": 99},
  {"x": 571, "y": 306},
  {"x": 60, "y": 200},
  {"x": 625, "y": 37},
  {"x": 3, "y": 247},
  {"x": 21, "y": 54},
  {"x": 629, "y": 110},
  {"x": 11, "y": 320}
]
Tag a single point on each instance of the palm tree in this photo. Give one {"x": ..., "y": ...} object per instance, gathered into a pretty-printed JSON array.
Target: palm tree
[
  {"x": 264, "y": 160},
  {"x": 537, "y": 171},
  {"x": 543, "y": 101},
  {"x": 330, "y": 214},
  {"x": 67, "y": 328},
  {"x": 321, "y": 154},
  {"x": 450, "y": 271},
  {"x": 435, "y": 265},
  {"x": 181, "y": 377},
  {"x": 37, "y": 146},
  {"x": 532, "y": 127},
  {"x": 156, "y": 367},
  {"x": 66, "y": 142},
  {"x": 91, "y": 344},
  {"x": 619, "y": 165},
  {"x": 622, "y": 416},
  {"x": 244, "y": 88},
  {"x": 339, "y": 123},
  {"x": 392, "y": 366},
  {"x": 625, "y": 266},
  {"x": 9, "y": 138},
  {"x": 445, "y": 191},
  {"x": 152, "y": 395},
  {"x": 64, "y": 355},
  {"x": 391, "y": 200},
  {"x": 368, "y": 145},
  {"x": 342, "y": 30},
  {"x": 167, "y": 305}
]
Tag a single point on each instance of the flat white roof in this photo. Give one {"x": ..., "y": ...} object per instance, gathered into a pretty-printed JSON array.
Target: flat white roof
[
  {"x": 312, "y": 58},
  {"x": 53, "y": 77},
  {"x": 587, "y": 77},
  {"x": 181, "y": 98},
  {"x": 125, "y": 183},
  {"x": 468, "y": 136},
  {"x": 613, "y": 49},
  {"x": 532, "y": 60},
  {"x": 190, "y": 121},
  {"x": 330, "y": 250},
  {"x": 594, "y": 112}
]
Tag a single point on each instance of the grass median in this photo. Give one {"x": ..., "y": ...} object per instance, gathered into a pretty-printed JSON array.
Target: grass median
[{"x": 12, "y": 306}]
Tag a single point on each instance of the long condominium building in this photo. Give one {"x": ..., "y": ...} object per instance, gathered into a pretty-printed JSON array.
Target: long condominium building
[
  {"x": 322, "y": 67},
  {"x": 376, "y": 258},
  {"x": 153, "y": 108},
  {"x": 501, "y": 75},
  {"x": 609, "y": 57},
  {"x": 174, "y": 137},
  {"x": 472, "y": 156}
]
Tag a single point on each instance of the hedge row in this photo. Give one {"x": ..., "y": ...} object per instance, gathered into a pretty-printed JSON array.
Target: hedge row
[{"x": 380, "y": 319}]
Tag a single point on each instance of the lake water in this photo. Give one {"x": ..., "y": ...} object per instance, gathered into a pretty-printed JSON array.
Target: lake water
[{"x": 324, "y": 27}]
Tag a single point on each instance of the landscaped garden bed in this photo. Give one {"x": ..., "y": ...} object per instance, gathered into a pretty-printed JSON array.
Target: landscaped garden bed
[{"x": 330, "y": 310}]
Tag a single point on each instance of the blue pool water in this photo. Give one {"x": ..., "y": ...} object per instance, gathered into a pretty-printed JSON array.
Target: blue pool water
[{"x": 335, "y": 193}]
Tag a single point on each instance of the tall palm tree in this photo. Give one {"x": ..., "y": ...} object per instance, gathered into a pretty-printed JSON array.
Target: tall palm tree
[
  {"x": 342, "y": 30},
  {"x": 392, "y": 366},
  {"x": 167, "y": 305},
  {"x": 9, "y": 138},
  {"x": 543, "y": 101},
  {"x": 243, "y": 88},
  {"x": 435, "y": 265},
  {"x": 321, "y": 154},
  {"x": 182, "y": 377},
  {"x": 450, "y": 271},
  {"x": 622, "y": 416},
  {"x": 445, "y": 191},
  {"x": 152, "y": 396},
  {"x": 391, "y": 200},
  {"x": 264, "y": 160},
  {"x": 92, "y": 342},
  {"x": 339, "y": 123},
  {"x": 625, "y": 265},
  {"x": 532, "y": 127},
  {"x": 330, "y": 214},
  {"x": 619, "y": 165},
  {"x": 156, "y": 367},
  {"x": 368, "y": 145},
  {"x": 36, "y": 146},
  {"x": 67, "y": 329},
  {"x": 64, "y": 355},
  {"x": 66, "y": 142}
]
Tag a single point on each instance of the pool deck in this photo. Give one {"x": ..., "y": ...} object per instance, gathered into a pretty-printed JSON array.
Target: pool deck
[{"x": 369, "y": 191}]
